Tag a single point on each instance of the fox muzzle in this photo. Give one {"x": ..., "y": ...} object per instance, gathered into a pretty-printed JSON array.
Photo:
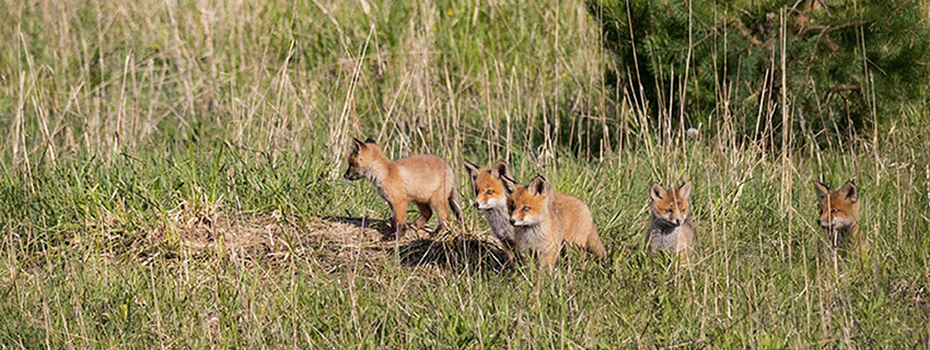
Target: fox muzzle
[{"x": 351, "y": 175}]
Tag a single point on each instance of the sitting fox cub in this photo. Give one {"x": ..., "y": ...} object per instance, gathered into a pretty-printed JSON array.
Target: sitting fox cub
[
  {"x": 425, "y": 180},
  {"x": 490, "y": 187},
  {"x": 839, "y": 214},
  {"x": 543, "y": 219},
  {"x": 671, "y": 230}
]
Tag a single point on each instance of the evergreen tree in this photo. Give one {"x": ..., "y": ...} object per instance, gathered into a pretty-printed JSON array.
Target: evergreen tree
[{"x": 836, "y": 51}]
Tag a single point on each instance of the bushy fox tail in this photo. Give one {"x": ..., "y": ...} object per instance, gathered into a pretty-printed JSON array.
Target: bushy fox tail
[
  {"x": 596, "y": 247},
  {"x": 454, "y": 201}
]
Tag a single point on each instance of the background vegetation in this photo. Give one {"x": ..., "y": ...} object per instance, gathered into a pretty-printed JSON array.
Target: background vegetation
[
  {"x": 148, "y": 145},
  {"x": 836, "y": 59}
]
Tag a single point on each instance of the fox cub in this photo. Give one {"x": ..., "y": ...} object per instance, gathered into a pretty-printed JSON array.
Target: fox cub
[
  {"x": 543, "y": 219},
  {"x": 491, "y": 187},
  {"x": 839, "y": 214},
  {"x": 425, "y": 180},
  {"x": 671, "y": 231}
]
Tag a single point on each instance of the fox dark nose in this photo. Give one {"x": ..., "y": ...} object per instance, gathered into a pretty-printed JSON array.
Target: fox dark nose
[
  {"x": 475, "y": 204},
  {"x": 513, "y": 222}
]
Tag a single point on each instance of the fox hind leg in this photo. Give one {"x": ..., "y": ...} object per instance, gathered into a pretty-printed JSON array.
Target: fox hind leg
[
  {"x": 425, "y": 214},
  {"x": 441, "y": 206}
]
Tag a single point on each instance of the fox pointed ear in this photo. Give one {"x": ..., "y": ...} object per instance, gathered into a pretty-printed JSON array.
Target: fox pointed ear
[
  {"x": 370, "y": 140},
  {"x": 822, "y": 189},
  {"x": 358, "y": 143},
  {"x": 510, "y": 184},
  {"x": 538, "y": 186},
  {"x": 685, "y": 190},
  {"x": 472, "y": 169},
  {"x": 850, "y": 191},
  {"x": 499, "y": 170},
  {"x": 656, "y": 191}
]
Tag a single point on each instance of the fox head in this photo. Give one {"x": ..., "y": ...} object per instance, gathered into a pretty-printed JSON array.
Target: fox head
[
  {"x": 670, "y": 205},
  {"x": 361, "y": 159},
  {"x": 529, "y": 204},
  {"x": 491, "y": 185},
  {"x": 839, "y": 208}
]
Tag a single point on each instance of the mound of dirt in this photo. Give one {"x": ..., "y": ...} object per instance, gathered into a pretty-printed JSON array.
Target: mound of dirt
[{"x": 329, "y": 243}]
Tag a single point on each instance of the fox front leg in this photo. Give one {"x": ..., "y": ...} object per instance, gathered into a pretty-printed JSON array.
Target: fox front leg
[{"x": 400, "y": 217}]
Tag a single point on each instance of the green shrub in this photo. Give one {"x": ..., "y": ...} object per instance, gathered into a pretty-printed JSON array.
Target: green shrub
[{"x": 838, "y": 54}]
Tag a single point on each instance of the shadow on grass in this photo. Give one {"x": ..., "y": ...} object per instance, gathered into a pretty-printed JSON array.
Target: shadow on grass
[{"x": 458, "y": 254}]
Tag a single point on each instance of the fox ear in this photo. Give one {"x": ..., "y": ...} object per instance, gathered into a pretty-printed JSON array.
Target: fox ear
[
  {"x": 370, "y": 140},
  {"x": 358, "y": 143},
  {"x": 538, "y": 186},
  {"x": 472, "y": 169},
  {"x": 656, "y": 191},
  {"x": 850, "y": 191},
  {"x": 685, "y": 190},
  {"x": 500, "y": 170},
  {"x": 822, "y": 189},
  {"x": 509, "y": 184}
]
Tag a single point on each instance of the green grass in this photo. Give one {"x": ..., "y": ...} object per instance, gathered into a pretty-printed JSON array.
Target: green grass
[{"x": 117, "y": 115}]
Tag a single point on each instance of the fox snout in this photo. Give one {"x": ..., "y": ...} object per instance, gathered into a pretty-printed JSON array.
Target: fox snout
[
  {"x": 482, "y": 206},
  {"x": 352, "y": 175},
  {"x": 826, "y": 222},
  {"x": 831, "y": 221},
  {"x": 525, "y": 221}
]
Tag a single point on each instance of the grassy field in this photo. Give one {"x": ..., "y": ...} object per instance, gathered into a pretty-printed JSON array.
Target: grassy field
[{"x": 170, "y": 177}]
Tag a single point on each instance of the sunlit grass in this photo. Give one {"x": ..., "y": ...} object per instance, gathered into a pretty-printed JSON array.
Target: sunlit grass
[{"x": 127, "y": 124}]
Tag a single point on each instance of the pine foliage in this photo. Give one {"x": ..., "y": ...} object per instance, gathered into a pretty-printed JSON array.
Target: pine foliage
[{"x": 847, "y": 62}]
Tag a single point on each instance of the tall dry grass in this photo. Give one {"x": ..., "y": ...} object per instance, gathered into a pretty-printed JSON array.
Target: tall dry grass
[{"x": 125, "y": 119}]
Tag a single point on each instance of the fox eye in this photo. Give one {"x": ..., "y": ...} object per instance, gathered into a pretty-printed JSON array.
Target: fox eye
[
  {"x": 526, "y": 208},
  {"x": 490, "y": 192},
  {"x": 668, "y": 210},
  {"x": 833, "y": 211}
]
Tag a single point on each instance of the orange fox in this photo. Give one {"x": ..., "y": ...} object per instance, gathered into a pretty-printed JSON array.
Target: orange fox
[
  {"x": 671, "y": 230},
  {"x": 543, "y": 219},
  {"x": 490, "y": 186},
  {"x": 425, "y": 180},
  {"x": 839, "y": 214}
]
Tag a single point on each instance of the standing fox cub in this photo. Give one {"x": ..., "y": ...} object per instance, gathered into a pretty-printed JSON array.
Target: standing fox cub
[
  {"x": 425, "y": 180},
  {"x": 671, "y": 230},
  {"x": 543, "y": 219},
  {"x": 839, "y": 214},
  {"x": 491, "y": 187}
]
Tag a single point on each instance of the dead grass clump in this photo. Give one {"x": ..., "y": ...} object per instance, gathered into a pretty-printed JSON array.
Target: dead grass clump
[{"x": 249, "y": 237}]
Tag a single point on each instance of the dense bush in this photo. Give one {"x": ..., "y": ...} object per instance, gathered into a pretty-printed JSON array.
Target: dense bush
[{"x": 838, "y": 55}]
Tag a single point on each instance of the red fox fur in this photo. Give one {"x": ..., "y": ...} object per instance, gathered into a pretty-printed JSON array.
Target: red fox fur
[
  {"x": 543, "y": 219},
  {"x": 839, "y": 214},
  {"x": 490, "y": 187},
  {"x": 671, "y": 230},
  {"x": 424, "y": 180}
]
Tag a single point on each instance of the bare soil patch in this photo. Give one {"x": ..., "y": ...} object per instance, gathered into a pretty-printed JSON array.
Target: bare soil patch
[{"x": 332, "y": 243}]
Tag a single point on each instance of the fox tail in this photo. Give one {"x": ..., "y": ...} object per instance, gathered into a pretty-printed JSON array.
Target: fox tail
[
  {"x": 454, "y": 201},
  {"x": 596, "y": 247}
]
